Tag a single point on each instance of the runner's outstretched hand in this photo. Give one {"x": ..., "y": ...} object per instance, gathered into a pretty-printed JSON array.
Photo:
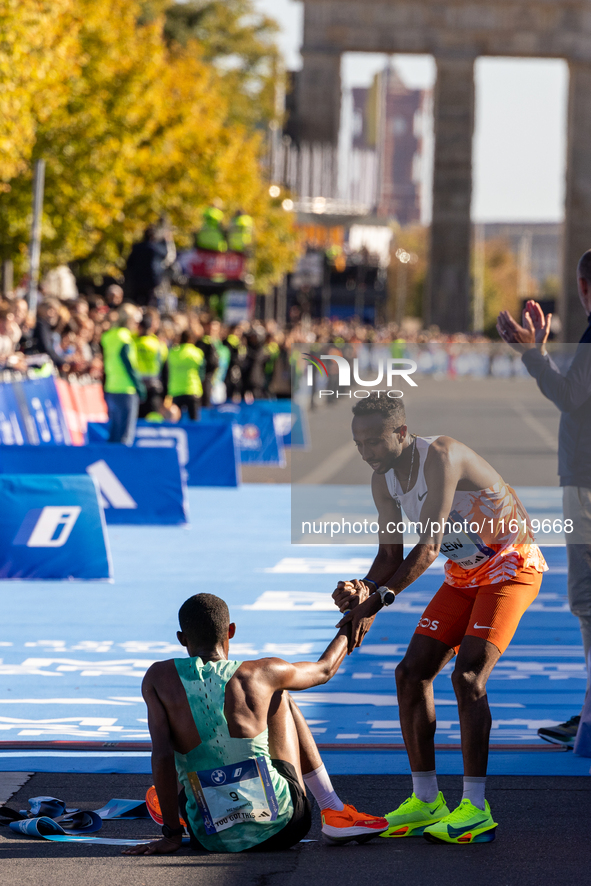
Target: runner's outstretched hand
[
  {"x": 349, "y": 594},
  {"x": 158, "y": 847},
  {"x": 361, "y": 619}
]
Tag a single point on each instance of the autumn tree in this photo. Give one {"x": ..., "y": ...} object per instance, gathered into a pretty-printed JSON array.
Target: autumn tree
[
  {"x": 501, "y": 279},
  {"x": 38, "y": 53},
  {"x": 143, "y": 130},
  {"x": 241, "y": 43}
]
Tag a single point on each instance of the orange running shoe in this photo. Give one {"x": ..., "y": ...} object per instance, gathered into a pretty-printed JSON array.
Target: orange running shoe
[
  {"x": 349, "y": 824},
  {"x": 153, "y": 806}
]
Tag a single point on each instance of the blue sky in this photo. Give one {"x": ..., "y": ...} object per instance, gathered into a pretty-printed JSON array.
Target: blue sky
[{"x": 520, "y": 138}]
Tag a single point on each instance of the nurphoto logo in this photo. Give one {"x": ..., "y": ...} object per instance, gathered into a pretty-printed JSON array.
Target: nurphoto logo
[{"x": 387, "y": 371}]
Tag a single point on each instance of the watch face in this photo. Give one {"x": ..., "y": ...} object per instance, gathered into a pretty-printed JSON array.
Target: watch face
[{"x": 387, "y": 596}]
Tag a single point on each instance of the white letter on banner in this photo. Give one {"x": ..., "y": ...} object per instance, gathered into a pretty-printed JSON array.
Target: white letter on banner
[
  {"x": 50, "y": 518},
  {"x": 111, "y": 487}
]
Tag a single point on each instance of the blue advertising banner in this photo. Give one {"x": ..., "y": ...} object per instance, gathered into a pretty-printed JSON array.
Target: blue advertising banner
[
  {"x": 207, "y": 451},
  {"x": 254, "y": 431},
  {"x": 52, "y": 527},
  {"x": 13, "y": 430},
  {"x": 291, "y": 421},
  {"x": 141, "y": 486},
  {"x": 40, "y": 406},
  {"x": 30, "y": 412}
]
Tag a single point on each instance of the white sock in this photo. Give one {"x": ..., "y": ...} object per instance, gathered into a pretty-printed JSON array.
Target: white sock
[
  {"x": 474, "y": 790},
  {"x": 320, "y": 785},
  {"x": 424, "y": 785}
]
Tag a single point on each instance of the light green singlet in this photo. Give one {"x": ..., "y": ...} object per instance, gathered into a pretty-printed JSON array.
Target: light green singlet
[{"x": 205, "y": 685}]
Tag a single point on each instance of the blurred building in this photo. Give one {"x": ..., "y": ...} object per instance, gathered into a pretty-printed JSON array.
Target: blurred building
[
  {"x": 537, "y": 247},
  {"x": 387, "y": 120}
]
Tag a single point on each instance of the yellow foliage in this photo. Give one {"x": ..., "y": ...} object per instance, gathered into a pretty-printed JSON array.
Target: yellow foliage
[
  {"x": 38, "y": 54},
  {"x": 501, "y": 274},
  {"x": 141, "y": 131}
]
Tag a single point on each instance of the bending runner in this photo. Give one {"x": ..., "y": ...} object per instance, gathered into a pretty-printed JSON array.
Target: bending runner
[
  {"x": 493, "y": 574},
  {"x": 242, "y": 750}
]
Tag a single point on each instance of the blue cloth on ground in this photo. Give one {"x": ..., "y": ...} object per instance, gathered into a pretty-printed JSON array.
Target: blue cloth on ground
[
  {"x": 119, "y": 810},
  {"x": 73, "y": 823}
]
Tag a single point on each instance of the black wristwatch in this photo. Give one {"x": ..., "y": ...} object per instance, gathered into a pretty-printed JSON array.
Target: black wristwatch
[
  {"x": 172, "y": 832},
  {"x": 388, "y": 596}
]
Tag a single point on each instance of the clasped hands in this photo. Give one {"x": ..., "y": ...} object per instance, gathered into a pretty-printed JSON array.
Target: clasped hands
[{"x": 359, "y": 607}]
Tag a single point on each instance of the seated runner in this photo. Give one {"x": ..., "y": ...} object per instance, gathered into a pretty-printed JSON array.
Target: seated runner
[
  {"x": 460, "y": 506},
  {"x": 239, "y": 745}
]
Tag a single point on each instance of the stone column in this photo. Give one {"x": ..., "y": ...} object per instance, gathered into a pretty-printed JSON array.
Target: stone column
[
  {"x": 319, "y": 97},
  {"x": 447, "y": 301},
  {"x": 577, "y": 223}
]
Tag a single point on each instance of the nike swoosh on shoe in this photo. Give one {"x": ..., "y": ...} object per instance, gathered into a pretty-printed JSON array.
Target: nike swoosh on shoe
[{"x": 457, "y": 832}]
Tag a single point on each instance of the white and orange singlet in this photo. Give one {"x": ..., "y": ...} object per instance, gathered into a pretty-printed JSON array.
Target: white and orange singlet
[{"x": 494, "y": 567}]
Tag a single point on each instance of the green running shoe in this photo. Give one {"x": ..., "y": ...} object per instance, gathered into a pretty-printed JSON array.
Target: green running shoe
[
  {"x": 412, "y": 817},
  {"x": 466, "y": 824}
]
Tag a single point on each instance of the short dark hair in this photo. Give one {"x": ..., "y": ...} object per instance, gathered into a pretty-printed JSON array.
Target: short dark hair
[
  {"x": 387, "y": 408},
  {"x": 204, "y": 619},
  {"x": 584, "y": 266},
  {"x": 187, "y": 337}
]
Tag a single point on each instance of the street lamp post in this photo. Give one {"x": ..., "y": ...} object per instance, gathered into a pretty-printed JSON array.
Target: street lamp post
[
  {"x": 405, "y": 258},
  {"x": 35, "y": 244}
]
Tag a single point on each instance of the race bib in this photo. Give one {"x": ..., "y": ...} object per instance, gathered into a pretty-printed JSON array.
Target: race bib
[
  {"x": 231, "y": 795},
  {"x": 465, "y": 548}
]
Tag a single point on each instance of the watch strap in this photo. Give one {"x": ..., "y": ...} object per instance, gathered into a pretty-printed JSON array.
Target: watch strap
[{"x": 172, "y": 832}]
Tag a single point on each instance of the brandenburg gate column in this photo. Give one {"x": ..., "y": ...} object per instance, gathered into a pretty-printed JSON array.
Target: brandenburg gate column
[
  {"x": 448, "y": 291},
  {"x": 319, "y": 96},
  {"x": 577, "y": 223}
]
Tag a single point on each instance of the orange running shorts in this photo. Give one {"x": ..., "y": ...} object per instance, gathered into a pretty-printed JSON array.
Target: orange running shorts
[{"x": 490, "y": 611}]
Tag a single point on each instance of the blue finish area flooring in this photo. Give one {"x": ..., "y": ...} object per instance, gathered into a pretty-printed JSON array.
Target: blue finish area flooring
[{"x": 74, "y": 653}]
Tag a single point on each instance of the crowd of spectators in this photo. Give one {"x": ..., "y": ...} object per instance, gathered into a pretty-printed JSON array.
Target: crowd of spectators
[{"x": 251, "y": 359}]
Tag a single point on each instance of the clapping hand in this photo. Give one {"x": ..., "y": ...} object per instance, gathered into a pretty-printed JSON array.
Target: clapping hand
[{"x": 535, "y": 328}]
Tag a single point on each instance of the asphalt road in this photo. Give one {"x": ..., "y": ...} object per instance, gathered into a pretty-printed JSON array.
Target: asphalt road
[{"x": 543, "y": 837}]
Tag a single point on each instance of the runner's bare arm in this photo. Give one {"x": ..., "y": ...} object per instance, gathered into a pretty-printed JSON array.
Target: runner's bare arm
[
  {"x": 306, "y": 674},
  {"x": 443, "y": 469},
  {"x": 163, "y": 768},
  {"x": 349, "y": 594}
]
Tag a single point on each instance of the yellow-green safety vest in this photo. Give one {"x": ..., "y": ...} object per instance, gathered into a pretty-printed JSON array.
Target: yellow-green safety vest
[
  {"x": 151, "y": 354},
  {"x": 184, "y": 363},
  {"x": 117, "y": 378}
]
